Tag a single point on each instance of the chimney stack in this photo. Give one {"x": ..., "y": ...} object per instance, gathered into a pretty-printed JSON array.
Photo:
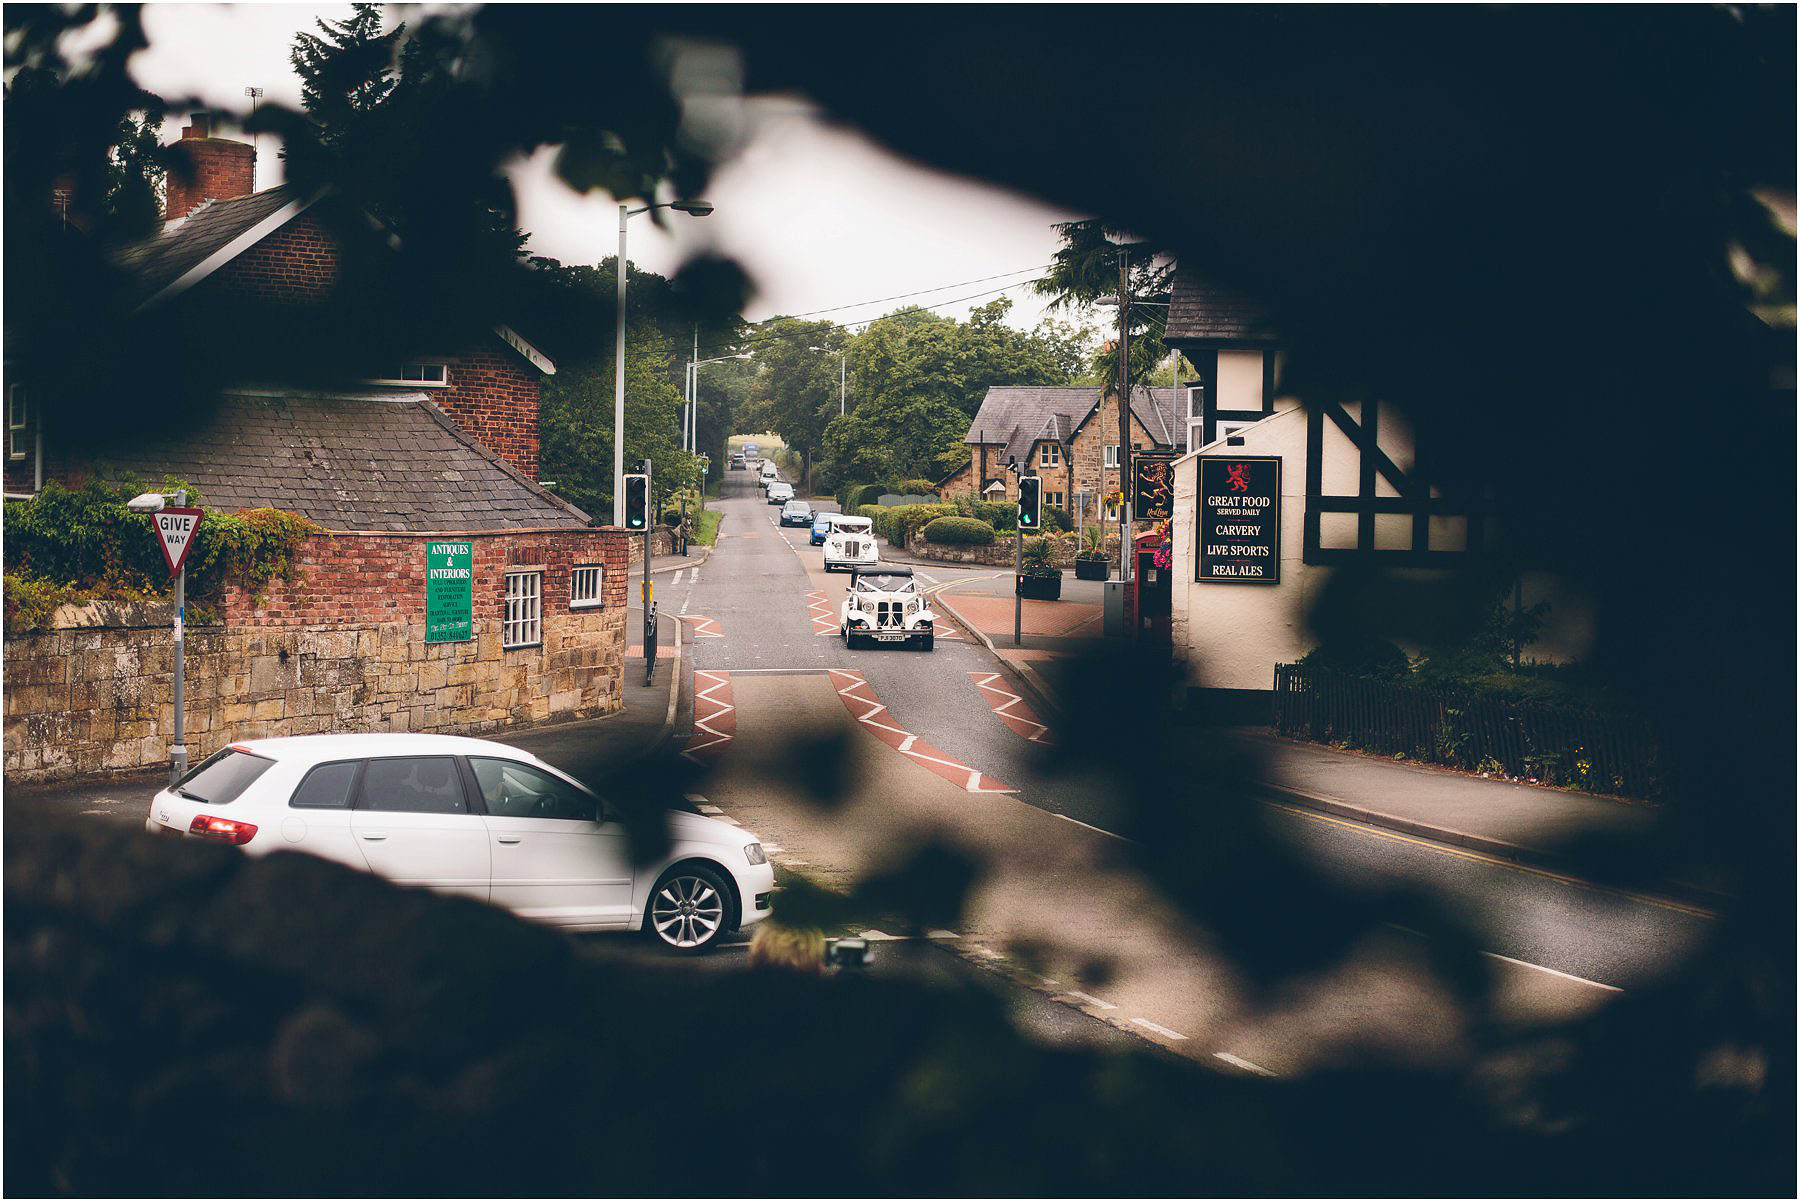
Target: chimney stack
[{"x": 218, "y": 168}]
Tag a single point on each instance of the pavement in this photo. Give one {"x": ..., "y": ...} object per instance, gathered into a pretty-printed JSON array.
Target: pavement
[{"x": 1523, "y": 823}]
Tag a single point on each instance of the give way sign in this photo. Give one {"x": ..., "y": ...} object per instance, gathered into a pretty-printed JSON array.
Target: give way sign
[{"x": 175, "y": 529}]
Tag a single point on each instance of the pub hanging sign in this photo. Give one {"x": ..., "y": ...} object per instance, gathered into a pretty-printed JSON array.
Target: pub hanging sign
[
  {"x": 449, "y": 592},
  {"x": 1153, "y": 487},
  {"x": 1239, "y": 528}
]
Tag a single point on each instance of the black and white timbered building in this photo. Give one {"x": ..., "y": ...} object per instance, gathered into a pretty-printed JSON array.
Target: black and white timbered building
[{"x": 1272, "y": 495}]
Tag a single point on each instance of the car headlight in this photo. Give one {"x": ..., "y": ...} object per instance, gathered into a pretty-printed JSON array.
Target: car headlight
[{"x": 754, "y": 853}]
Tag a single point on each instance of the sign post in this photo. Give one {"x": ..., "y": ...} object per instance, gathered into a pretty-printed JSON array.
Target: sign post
[
  {"x": 176, "y": 526},
  {"x": 649, "y": 598},
  {"x": 1239, "y": 519}
]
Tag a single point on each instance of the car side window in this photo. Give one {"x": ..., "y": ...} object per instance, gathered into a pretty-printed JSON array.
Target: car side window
[
  {"x": 515, "y": 790},
  {"x": 326, "y": 787},
  {"x": 426, "y": 784}
]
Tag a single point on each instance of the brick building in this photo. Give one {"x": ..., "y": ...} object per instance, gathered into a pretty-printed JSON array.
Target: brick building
[
  {"x": 1069, "y": 436},
  {"x": 438, "y": 444}
]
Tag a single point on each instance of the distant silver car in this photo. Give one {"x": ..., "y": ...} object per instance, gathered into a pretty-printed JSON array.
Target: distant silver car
[{"x": 780, "y": 493}]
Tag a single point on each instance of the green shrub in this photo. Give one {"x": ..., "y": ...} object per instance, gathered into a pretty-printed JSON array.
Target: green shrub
[
  {"x": 917, "y": 488},
  {"x": 67, "y": 545},
  {"x": 952, "y": 530},
  {"x": 1001, "y": 515},
  {"x": 1036, "y": 557},
  {"x": 867, "y": 494},
  {"x": 1057, "y": 518},
  {"x": 1368, "y": 656},
  {"x": 903, "y": 521}
]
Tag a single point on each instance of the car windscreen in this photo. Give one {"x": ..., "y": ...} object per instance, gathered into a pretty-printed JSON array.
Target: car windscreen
[
  {"x": 853, "y": 525},
  {"x": 223, "y": 776},
  {"x": 885, "y": 584}
]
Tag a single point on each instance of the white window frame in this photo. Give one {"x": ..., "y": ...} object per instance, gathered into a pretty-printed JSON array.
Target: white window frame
[
  {"x": 1053, "y": 499},
  {"x": 580, "y": 598},
  {"x": 18, "y": 417},
  {"x": 523, "y": 625},
  {"x": 421, "y": 377},
  {"x": 1109, "y": 456},
  {"x": 1111, "y": 514},
  {"x": 1051, "y": 455}
]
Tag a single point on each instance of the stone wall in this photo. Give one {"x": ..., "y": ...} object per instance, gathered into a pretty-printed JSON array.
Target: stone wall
[{"x": 344, "y": 650}]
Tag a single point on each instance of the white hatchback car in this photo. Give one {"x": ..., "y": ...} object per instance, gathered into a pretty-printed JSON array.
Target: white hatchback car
[
  {"x": 851, "y": 544},
  {"x": 472, "y": 817}
]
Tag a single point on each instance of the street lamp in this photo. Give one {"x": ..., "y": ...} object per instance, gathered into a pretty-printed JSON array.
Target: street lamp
[
  {"x": 690, "y": 428},
  {"x": 693, "y": 208},
  {"x": 840, "y": 355}
]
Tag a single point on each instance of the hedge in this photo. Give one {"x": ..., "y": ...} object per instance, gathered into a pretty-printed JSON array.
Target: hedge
[
  {"x": 1057, "y": 518},
  {"x": 867, "y": 494},
  {"x": 903, "y": 521},
  {"x": 916, "y": 487},
  {"x": 959, "y": 531},
  {"x": 1001, "y": 515}
]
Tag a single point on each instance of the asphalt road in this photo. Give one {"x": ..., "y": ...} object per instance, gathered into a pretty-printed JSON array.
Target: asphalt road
[{"x": 1558, "y": 947}]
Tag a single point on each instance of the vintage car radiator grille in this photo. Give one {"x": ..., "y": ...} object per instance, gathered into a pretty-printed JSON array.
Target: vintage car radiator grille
[
  {"x": 853, "y": 546},
  {"x": 889, "y": 613}
]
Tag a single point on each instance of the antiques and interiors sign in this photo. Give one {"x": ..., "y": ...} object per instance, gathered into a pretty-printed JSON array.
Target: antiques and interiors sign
[
  {"x": 1239, "y": 535},
  {"x": 449, "y": 592}
]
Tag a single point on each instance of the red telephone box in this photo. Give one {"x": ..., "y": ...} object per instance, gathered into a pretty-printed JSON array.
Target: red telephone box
[{"x": 1153, "y": 591}]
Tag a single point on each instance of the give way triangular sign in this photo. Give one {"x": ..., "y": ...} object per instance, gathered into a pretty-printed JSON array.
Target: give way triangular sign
[{"x": 175, "y": 530}]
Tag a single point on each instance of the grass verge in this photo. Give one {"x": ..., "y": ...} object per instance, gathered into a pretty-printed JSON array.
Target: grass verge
[{"x": 706, "y": 529}]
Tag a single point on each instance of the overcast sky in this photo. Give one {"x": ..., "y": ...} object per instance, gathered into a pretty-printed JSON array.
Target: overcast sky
[{"x": 820, "y": 216}]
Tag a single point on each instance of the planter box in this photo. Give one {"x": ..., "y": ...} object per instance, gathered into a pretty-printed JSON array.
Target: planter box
[
  {"x": 1091, "y": 569},
  {"x": 1040, "y": 588}
]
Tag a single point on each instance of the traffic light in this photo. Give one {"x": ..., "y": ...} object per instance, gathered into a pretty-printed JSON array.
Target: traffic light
[
  {"x": 1031, "y": 499},
  {"x": 637, "y": 502}
]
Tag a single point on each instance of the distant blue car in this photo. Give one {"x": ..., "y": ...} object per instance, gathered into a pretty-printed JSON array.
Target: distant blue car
[{"x": 821, "y": 527}]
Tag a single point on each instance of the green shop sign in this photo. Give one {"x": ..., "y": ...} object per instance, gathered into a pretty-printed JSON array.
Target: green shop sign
[{"x": 449, "y": 592}]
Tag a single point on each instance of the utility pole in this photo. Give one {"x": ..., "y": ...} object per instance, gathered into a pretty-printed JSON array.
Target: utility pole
[
  {"x": 1124, "y": 418},
  {"x": 255, "y": 94},
  {"x": 649, "y": 601}
]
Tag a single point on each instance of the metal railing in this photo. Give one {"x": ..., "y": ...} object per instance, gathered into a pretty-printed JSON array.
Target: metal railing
[{"x": 1579, "y": 748}]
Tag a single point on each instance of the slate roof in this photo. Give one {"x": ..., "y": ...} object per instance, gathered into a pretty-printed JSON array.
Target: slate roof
[
  {"x": 1013, "y": 417},
  {"x": 350, "y": 461},
  {"x": 1203, "y": 312},
  {"x": 183, "y": 245}
]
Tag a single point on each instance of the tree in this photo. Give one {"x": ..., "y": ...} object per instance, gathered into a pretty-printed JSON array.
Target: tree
[{"x": 1086, "y": 268}]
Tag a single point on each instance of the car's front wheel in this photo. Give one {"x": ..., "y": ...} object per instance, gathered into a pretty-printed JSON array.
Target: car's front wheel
[
  {"x": 925, "y": 641},
  {"x": 689, "y": 909}
]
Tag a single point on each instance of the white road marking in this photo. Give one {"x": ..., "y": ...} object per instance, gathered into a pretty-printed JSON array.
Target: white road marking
[
  {"x": 706, "y": 809},
  {"x": 1095, "y": 829},
  {"x": 1567, "y": 976},
  {"x": 1091, "y": 999},
  {"x": 1160, "y": 1030},
  {"x": 773, "y": 847},
  {"x": 879, "y": 936},
  {"x": 942, "y": 935},
  {"x": 1048, "y": 981},
  {"x": 1240, "y": 1062},
  {"x": 786, "y": 863},
  {"x": 926, "y": 576}
]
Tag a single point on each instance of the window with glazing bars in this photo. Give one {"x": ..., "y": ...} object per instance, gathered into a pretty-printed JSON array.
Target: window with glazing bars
[
  {"x": 585, "y": 580},
  {"x": 524, "y": 626}
]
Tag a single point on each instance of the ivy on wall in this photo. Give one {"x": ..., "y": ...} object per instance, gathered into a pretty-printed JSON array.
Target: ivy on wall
[{"x": 67, "y": 546}]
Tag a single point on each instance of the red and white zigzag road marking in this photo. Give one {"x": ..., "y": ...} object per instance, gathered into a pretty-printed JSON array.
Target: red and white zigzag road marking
[
  {"x": 1011, "y": 709},
  {"x": 819, "y": 610},
  {"x": 704, "y": 628},
  {"x": 715, "y": 717},
  {"x": 860, "y": 700}
]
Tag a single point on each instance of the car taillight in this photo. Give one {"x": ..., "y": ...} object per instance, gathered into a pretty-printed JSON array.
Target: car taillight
[{"x": 207, "y": 826}]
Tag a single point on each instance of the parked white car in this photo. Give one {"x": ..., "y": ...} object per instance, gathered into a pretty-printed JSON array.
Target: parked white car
[
  {"x": 884, "y": 605},
  {"x": 780, "y": 493},
  {"x": 471, "y": 817},
  {"x": 851, "y": 544}
]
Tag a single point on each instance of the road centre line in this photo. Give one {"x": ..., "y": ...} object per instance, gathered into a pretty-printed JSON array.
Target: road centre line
[
  {"x": 1160, "y": 1030},
  {"x": 1095, "y": 829},
  {"x": 1496, "y": 861},
  {"x": 1240, "y": 1062},
  {"x": 1555, "y": 972},
  {"x": 1090, "y": 999}
]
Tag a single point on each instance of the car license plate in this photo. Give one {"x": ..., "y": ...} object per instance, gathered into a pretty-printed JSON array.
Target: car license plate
[{"x": 890, "y": 636}]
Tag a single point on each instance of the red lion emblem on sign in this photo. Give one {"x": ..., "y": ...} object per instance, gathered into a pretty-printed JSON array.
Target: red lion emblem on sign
[{"x": 1238, "y": 476}]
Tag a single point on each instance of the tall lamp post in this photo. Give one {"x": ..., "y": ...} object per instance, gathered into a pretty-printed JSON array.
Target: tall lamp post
[
  {"x": 693, "y": 208},
  {"x": 841, "y": 361}
]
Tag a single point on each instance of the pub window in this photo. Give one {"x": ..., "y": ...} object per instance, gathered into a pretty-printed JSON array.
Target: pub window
[
  {"x": 585, "y": 580},
  {"x": 1052, "y": 455},
  {"x": 1112, "y": 512},
  {"x": 18, "y": 413},
  {"x": 1110, "y": 456},
  {"x": 524, "y": 625}
]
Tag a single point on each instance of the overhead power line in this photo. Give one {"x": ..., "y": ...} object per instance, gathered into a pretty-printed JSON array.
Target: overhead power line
[{"x": 921, "y": 292}]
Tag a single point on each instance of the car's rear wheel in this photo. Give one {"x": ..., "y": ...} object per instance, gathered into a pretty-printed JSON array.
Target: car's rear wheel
[{"x": 689, "y": 909}]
